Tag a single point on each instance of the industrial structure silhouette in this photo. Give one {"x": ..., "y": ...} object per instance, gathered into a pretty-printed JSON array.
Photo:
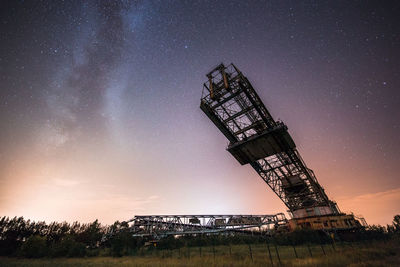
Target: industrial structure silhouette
[{"x": 231, "y": 103}]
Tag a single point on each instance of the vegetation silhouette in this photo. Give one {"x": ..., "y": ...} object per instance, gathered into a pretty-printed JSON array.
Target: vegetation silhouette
[{"x": 29, "y": 239}]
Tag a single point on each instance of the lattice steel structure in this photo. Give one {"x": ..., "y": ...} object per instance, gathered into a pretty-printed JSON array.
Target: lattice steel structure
[
  {"x": 163, "y": 225},
  {"x": 233, "y": 105}
]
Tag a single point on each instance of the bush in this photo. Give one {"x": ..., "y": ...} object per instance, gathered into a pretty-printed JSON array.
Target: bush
[
  {"x": 117, "y": 246},
  {"x": 34, "y": 247},
  {"x": 68, "y": 247},
  {"x": 8, "y": 247},
  {"x": 77, "y": 250}
]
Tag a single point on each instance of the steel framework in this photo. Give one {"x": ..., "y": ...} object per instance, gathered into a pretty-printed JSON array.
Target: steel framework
[
  {"x": 231, "y": 103},
  {"x": 163, "y": 225}
]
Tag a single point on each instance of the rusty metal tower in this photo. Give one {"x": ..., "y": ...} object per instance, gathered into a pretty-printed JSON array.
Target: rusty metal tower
[{"x": 232, "y": 104}]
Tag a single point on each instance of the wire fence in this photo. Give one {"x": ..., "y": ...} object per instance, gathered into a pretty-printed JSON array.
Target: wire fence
[{"x": 270, "y": 252}]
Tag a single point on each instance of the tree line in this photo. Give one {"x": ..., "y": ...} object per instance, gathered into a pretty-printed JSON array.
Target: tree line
[
  {"x": 30, "y": 239},
  {"x": 25, "y": 238}
]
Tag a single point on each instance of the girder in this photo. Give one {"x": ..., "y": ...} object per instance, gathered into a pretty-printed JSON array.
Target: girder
[
  {"x": 233, "y": 105},
  {"x": 164, "y": 225}
]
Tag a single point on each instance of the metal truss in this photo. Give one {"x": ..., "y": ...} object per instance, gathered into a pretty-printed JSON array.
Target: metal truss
[
  {"x": 163, "y": 225},
  {"x": 233, "y": 105}
]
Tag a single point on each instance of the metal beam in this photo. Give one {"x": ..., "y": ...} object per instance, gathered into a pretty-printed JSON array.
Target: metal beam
[
  {"x": 164, "y": 225},
  {"x": 243, "y": 115}
]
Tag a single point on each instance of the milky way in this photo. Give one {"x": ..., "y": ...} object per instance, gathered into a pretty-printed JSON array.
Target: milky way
[{"x": 100, "y": 118}]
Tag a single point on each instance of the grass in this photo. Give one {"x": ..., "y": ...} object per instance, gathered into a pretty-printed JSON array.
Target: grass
[{"x": 376, "y": 253}]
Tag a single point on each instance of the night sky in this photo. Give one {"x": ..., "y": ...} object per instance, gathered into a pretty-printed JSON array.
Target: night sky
[{"x": 100, "y": 118}]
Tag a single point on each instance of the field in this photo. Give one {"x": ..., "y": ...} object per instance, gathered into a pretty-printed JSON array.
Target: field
[{"x": 377, "y": 253}]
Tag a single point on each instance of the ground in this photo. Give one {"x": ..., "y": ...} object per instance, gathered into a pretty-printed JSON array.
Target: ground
[{"x": 378, "y": 253}]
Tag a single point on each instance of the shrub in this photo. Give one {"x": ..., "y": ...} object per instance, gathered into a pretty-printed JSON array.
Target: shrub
[
  {"x": 34, "y": 247},
  {"x": 68, "y": 247}
]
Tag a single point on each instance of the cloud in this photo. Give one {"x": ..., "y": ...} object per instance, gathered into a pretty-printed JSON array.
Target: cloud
[
  {"x": 109, "y": 207},
  {"x": 66, "y": 182},
  {"x": 74, "y": 200},
  {"x": 377, "y": 208},
  {"x": 140, "y": 204}
]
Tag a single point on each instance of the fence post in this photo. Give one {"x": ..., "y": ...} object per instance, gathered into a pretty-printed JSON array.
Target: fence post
[
  {"x": 269, "y": 252},
  {"x": 230, "y": 250},
  {"x": 214, "y": 251},
  {"x": 321, "y": 243},
  {"x": 188, "y": 252},
  {"x": 277, "y": 253},
  {"x": 332, "y": 242},
  {"x": 251, "y": 253},
  {"x": 309, "y": 249},
  {"x": 294, "y": 249},
  {"x": 200, "y": 251},
  {"x": 323, "y": 250},
  {"x": 333, "y": 246}
]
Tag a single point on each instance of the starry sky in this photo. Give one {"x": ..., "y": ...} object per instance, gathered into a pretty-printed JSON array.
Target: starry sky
[{"x": 100, "y": 118}]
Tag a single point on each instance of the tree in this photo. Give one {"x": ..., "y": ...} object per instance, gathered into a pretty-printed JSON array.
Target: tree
[
  {"x": 68, "y": 247},
  {"x": 396, "y": 222},
  {"x": 34, "y": 247},
  {"x": 90, "y": 234}
]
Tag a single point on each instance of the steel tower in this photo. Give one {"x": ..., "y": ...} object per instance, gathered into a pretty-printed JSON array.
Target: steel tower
[{"x": 233, "y": 105}]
